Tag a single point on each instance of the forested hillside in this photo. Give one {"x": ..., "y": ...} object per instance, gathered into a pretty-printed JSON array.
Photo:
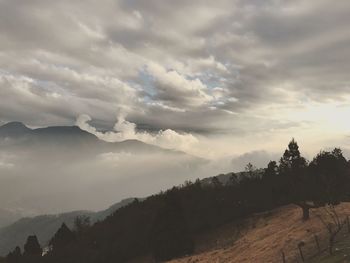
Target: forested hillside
[{"x": 163, "y": 226}]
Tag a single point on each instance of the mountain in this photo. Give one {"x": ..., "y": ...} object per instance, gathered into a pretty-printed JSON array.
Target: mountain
[
  {"x": 8, "y": 216},
  {"x": 53, "y": 165},
  {"x": 15, "y": 135},
  {"x": 62, "y": 153},
  {"x": 14, "y": 130},
  {"x": 44, "y": 226},
  {"x": 109, "y": 211}
]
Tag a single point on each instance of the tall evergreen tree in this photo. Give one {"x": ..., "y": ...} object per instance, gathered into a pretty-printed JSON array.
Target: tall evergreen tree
[
  {"x": 32, "y": 250},
  {"x": 63, "y": 237},
  {"x": 294, "y": 167}
]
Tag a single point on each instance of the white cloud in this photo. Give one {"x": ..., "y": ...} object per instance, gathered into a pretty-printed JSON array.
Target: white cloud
[{"x": 125, "y": 130}]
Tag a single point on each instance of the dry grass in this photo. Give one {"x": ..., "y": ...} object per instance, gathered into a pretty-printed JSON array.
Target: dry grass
[{"x": 281, "y": 229}]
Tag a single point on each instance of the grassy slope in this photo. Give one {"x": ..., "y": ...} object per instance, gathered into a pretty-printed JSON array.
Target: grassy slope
[{"x": 268, "y": 234}]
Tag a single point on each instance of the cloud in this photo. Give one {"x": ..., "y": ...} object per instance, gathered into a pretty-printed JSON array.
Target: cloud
[
  {"x": 125, "y": 130},
  {"x": 176, "y": 90},
  {"x": 223, "y": 67},
  {"x": 259, "y": 159},
  {"x": 40, "y": 182}
]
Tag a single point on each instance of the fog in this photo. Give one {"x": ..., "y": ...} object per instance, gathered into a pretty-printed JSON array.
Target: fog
[
  {"x": 42, "y": 180},
  {"x": 60, "y": 169}
]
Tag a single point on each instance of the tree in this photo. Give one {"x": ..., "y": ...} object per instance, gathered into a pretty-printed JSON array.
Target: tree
[
  {"x": 32, "y": 250},
  {"x": 233, "y": 180},
  {"x": 271, "y": 170},
  {"x": 63, "y": 237},
  {"x": 329, "y": 171},
  {"x": 81, "y": 224},
  {"x": 14, "y": 256},
  {"x": 333, "y": 225},
  {"x": 292, "y": 162},
  {"x": 294, "y": 167},
  {"x": 250, "y": 169},
  {"x": 170, "y": 234},
  {"x": 216, "y": 182},
  {"x": 32, "y": 246}
]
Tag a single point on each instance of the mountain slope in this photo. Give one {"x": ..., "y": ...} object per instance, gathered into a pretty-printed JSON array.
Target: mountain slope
[
  {"x": 8, "y": 216},
  {"x": 45, "y": 226}
]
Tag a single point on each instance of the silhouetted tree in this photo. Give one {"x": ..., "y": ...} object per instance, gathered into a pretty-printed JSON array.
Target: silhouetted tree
[
  {"x": 216, "y": 182},
  {"x": 250, "y": 170},
  {"x": 14, "y": 256},
  {"x": 271, "y": 170},
  {"x": 81, "y": 223},
  {"x": 330, "y": 174},
  {"x": 294, "y": 167},
  {"x": 32, "y": 250},
  {"x": 170, "y": 234},
  {"x": 63, "y": 237},
  {"x": 233, "y": 180}
]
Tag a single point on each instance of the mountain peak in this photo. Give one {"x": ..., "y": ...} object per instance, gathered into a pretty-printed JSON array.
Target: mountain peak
[
  {"x": 14, "y": 125},
  {"x": 18, "y": 130},
  {"x": 14, "y": 129}
]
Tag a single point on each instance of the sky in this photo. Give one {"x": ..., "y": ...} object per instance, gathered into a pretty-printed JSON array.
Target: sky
[{"x": 211, "y": 78}]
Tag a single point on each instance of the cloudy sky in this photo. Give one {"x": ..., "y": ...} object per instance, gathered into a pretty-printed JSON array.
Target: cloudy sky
[{"x": 213, "y": 78}]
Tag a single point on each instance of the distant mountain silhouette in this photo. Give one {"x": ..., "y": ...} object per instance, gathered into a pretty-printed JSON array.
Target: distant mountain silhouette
[
  {"x": 44, "y": 226},
  {"x": 8, "y": 216},
  {"x": 16, "y": 135},
  {"x": 14, "y": 130}
]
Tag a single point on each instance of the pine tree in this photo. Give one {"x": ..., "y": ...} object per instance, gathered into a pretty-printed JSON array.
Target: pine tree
[
  {"x": 62, "y": 238},
  {"x": 32, "y": 250}
]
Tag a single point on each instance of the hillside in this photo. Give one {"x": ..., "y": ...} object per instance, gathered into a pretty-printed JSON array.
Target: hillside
[
  {"x": 44, "y": 226},
  {"x": 248, "y": 219},
  {"x": 265, "y": 235},
  {"x": 8, "y": 216}
]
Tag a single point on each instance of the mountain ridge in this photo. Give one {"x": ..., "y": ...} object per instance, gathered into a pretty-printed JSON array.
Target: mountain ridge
[{"x": 17, "y": 134}]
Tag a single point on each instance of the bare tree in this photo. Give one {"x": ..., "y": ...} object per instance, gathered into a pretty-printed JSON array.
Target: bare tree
[{"x": 333, "y": 224}]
